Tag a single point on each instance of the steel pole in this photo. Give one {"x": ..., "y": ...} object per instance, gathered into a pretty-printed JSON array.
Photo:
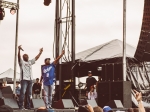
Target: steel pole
[
  {"x": 124, "y": 40},
  {"x": 16, "y": 44},
  {"x": 73, "y": 45}
]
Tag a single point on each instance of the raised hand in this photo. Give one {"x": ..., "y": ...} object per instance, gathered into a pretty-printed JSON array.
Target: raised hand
[
  {"x": 138, "y": 95},
  {"x": 63, "y": 51},
  {"x": 20, "y": 48},
  {"x": 41, "y": 50}
]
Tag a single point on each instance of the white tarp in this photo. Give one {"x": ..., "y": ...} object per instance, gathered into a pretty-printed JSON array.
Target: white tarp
[
  {"x": 9, "y": 74},
  {"x": 108, "y": 50}
]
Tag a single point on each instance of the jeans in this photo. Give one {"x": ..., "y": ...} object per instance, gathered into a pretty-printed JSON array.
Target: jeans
[
  {"x": 26, "y": 88},
  {"x": 48, "y": 94}
]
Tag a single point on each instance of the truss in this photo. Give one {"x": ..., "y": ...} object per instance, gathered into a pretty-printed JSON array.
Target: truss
[{"x": 9, "y": 5}]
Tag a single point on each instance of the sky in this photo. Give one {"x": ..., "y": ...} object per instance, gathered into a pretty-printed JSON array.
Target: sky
[{"x": 97, "y": 22}]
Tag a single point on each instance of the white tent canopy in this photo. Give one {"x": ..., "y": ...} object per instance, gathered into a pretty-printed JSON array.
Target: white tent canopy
[
  {"x": 107, "y": 50},
  {"x": 9, "y": 75}
]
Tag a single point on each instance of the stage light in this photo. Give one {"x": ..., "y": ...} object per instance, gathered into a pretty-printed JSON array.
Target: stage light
[
  {"x": 2, "y": 14},
  {"x": 47, "y": 2},
  {"x": 99, "y": 68},
  {"x": 12, "y": 11},
  {"x": 80, "y": 84}
]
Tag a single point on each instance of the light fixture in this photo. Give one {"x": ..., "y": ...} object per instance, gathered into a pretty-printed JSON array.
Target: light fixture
[
  {"x": 12, "y": 11},
  {"x": 80, "y": 84},
  {"x": 2, "y": 13},
  {"x": 47, "y": 2},
  {"x": 99, "y": 68}
]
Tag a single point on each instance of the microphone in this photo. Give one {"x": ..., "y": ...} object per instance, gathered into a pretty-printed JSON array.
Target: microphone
[{"x": 21, "y": 49}]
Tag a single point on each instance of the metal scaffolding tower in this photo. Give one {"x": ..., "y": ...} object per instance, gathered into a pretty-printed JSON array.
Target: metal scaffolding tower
[{"x": 65, "y": 37}]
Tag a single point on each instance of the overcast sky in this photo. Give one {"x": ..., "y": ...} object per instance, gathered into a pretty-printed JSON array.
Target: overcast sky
[{"x": 97, "y": 21}]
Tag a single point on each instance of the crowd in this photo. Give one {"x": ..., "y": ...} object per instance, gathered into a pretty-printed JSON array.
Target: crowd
[{"x": 138, "y": 97}]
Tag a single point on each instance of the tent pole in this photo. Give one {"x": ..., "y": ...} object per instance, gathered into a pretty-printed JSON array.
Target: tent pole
[
  {"x": 16, "y": 44},
  {"x": 124, "y": 40}
]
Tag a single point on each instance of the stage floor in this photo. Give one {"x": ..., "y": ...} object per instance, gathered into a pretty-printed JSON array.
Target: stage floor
[{"x": 49, "y": 110}]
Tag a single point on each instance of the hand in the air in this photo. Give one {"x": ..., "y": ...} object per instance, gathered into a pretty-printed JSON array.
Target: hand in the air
[
  {"x": 20, "y": 48},
  {"x": 63, "y": 51},
  {"x": 41, "y": 50},
  {"x": 138, "y": 95}
]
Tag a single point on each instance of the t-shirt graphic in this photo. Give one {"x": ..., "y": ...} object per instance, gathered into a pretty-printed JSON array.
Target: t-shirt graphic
[{"x": 48, "y": 74}]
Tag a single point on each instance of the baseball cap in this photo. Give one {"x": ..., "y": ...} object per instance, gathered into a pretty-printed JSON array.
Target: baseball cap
[
  {"x": 89, "y": 72},
  {"x": 106, "y": 109},
  {"x": 46, "y": 59}
]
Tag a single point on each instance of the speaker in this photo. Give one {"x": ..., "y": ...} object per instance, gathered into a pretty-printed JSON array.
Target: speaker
[
  {"x": 7, "y": 92},
  {"x": 9, "y": 101},
  {"x": 93, "y": 103},
  {"x": 103, "y": 87},
  {"x": 36, "y": 103},
  {"x": 117, "y": 90},
  {"x": 64, "y": 104},
  {"x": 1, "y": 93},
  {"x": 143, "y": 49},
  {"x": 118, "y": 72},
  {"x": 110, "y": 72},
  {"x": 103, "y": 93},
  {"x": 141, "y": 55},
  {"x": 103, "y": 73},
  {"x": 115, "y": 104},
  {"x": 121, "y": 90}
]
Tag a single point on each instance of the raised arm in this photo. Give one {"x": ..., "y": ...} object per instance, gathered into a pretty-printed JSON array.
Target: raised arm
[
  {"x": 19, "y": 56},
  {"x": 138, "y": 97},
  {"x": 57, "y": 59},
  {"x": 37, "y": 57}
]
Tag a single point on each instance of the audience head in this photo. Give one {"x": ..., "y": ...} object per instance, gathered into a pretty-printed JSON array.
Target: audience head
[
  {"x": 89, "y": 73},
  {"x": 107, "y": 109},
  {"x": 130, "y": 110},
  {"x": 83, "y": 109},
  {"x": 17, "y": 84},
  {"x": 37, "y": 80},
  {"x": 97, "y": 109}
]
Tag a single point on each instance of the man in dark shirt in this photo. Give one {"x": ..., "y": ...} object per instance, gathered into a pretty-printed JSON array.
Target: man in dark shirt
[
  {"x": 36, "y": 89},
  {"x": 90, "y": 81}
]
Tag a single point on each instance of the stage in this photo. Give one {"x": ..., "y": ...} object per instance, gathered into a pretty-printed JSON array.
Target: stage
[{"x": 49, "y": 110}]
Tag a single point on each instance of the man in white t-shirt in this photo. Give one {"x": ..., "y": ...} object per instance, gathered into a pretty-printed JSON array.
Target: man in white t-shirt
[{"x": 26, "y": 77}]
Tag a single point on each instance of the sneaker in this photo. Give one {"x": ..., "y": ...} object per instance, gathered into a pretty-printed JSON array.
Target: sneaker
[
  {"x": 47, "y": 107},
  {"x": 50, "y": 107},
  {"x": 21, "y": 108},
  {"x": 28, "y": 108}
]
